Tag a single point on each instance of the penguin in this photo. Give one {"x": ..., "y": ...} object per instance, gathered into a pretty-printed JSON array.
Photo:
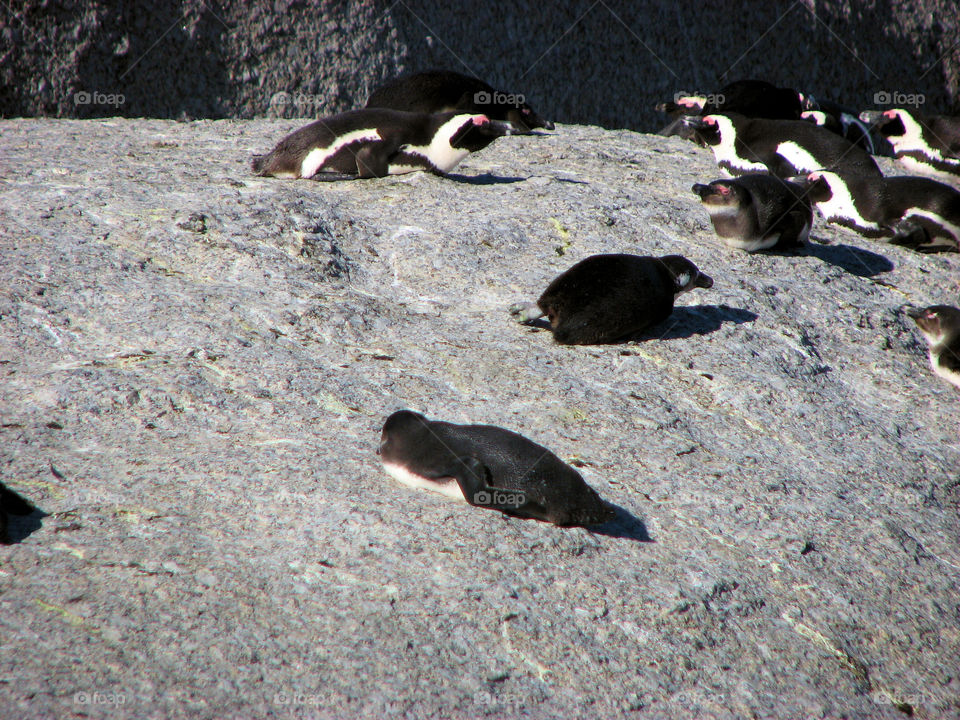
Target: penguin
[
  {"x": 758, "y": 212},
  {"x": 928, "y": 145},
  {"x": 377, "y": 143},
  {"x": 437, "y": 91},
  {"x": 12, "y": 504},
  {"x": 750, "y": 98},
  {"x": 909, "y": 210},
  {"x": 940, "y": 325},
  {"x": 609, "y": 298},
  {"x": 488, "y": 467},
  {"x": 783, "y": 147}
]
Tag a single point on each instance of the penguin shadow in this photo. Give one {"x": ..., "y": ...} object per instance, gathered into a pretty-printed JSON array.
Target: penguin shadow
[
  {"x": 624, "y": 525},
  {"x": 483, "y": 179},
  {"x": 854, "y": 260},
  {"x": 687, "y": 321},
  {"x": 18, "y": 517}
]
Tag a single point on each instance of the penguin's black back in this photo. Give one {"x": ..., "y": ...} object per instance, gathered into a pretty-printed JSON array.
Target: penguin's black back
[
  {"x": 428, "y": 448},
  {"x": 606, "y": 298}
]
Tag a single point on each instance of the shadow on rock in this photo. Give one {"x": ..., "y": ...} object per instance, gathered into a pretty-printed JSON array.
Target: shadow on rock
[
  {"x": 625, "y": 525},
  {"x": 686, "y": 322},
  {"x": 18, "y": 518},
  {"x": 854, "y": 260},
  {"x": 485, "y": 179}
]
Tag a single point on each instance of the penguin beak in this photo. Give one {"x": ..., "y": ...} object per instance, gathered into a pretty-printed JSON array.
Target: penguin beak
[
  {"x": 915, "y": 313},
  {"x": 496, "y": 128},
  {"x": 694, "y": 121},
  {"x": 871, "y": 117},
  {"x": 703, "y": 281},
  {"x": 548, "y": 125},
  {"x": 702, "y": 190}
]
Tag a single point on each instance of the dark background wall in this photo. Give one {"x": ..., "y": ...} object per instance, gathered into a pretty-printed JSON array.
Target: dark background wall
[{"x": 604, "y": 62}]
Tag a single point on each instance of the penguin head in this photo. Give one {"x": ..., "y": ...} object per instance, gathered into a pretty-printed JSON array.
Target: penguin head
[
  {"x": 722, "y": 194},
  {"x": 938, "y": 323},
  {"x": 686, "y": 276},
  {"x": 706, "y": 129},
  {"x": 398, "y": 430},
  {"x": 889, "y": 123},
  {"x": 524, "y": 119},
  {"x": 819, "y": 185},
  {"x": 474, "y": 132}
]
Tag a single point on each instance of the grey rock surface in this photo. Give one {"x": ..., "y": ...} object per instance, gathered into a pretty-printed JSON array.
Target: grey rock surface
[
  {"x": 605, "y": 63},
  {"x": 195, "y": 364}
]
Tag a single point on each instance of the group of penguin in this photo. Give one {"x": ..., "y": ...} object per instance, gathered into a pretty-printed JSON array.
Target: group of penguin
[{"x": 788, "y": 153}]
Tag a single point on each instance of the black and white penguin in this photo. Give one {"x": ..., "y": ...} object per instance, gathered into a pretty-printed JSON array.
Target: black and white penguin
[
  {"x": 10, "y": 504},
  {"x": 911, "y": 211},
  {"x": 928, "y": 145},
  {"x": 750, "y": 98},
  {"x": 437, "y": 91},
  {"x": 758, "y": 212},
  {"x": 377, "y": 143},
  {"x": 783, "y": 147},
  {"x": 610, "y": 298},
  {"x": 940, "y": 325},
  {"x": 489, "y": 467}
]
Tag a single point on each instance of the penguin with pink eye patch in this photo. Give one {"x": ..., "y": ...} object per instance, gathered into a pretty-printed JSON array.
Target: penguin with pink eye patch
[
  {"x": 916, "y": 212},
  {"x": 372, "y": 143},
  {"x": 924, "y": 144},
  {"x": 758, "y": 212},
  {"x": 785, "y": 148}
]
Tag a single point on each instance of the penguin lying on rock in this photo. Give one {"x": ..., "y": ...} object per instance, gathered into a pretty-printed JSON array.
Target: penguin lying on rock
[
  {"x": 488, "y": 467},
  {"x": 377, "y": 143}
]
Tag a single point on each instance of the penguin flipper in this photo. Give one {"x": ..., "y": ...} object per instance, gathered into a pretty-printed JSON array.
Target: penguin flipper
[
  {"x": 373, "y": 160},
  {"x": 473, "y": 478}
]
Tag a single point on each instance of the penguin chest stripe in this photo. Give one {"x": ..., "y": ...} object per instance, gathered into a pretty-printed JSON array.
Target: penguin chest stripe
[
  {"x": 798, "y": 156},
  {"x": 315, "y": 159},
  {"x": 447, "y": 487},
  {"x": 948, "y": 226},
  {"x": 842, "y": 207},
  {"x": 439, "y": 153}
]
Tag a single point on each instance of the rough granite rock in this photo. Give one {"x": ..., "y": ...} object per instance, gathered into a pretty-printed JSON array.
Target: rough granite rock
[
  {"x": 600, "y": 63},
  {"x": 195, "y": 364}
]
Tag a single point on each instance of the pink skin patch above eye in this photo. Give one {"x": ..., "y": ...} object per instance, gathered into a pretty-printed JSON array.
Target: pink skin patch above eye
[
  {"x": 723, "y": 189},
  {"x": 890, "y": 114},
  {"x": 813, "y": 177},
  {"x": 480, "y": 120},
  {"x": 709, "y": 120}
]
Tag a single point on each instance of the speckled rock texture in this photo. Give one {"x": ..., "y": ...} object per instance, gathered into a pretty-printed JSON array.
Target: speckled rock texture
[
  {"x": 195, "y": 364},
  {"x": 599, "y": 62}
]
